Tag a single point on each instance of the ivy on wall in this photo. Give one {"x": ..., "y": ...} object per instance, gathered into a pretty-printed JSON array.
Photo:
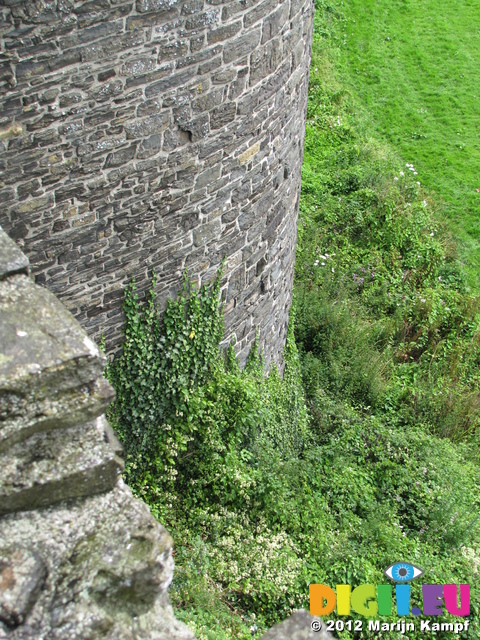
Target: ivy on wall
[{"x": 189, "y": 418}]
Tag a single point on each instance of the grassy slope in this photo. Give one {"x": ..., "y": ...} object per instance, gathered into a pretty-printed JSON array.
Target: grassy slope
[
  {"x": 388, "y": 330},
  {"x": 415, "y": 66},
  {"x": 381, "y": 228}
]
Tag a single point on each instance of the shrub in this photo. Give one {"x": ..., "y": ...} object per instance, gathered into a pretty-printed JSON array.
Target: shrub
[{"x": 190, "y": 420}]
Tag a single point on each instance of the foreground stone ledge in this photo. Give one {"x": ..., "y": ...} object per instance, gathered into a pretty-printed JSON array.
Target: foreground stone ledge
[
  {"x": 51, "y": 373},
  {"x": 54, "y": 466},
  {"x": 97, "y": 568},
  {"x": 80, "y": 557},
  {"x": 12, "y": 260}
]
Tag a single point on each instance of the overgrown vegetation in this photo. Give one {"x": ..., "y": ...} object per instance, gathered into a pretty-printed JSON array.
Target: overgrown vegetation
[
  {"x": 385, "y": 314},
  {"x": 200, "y": 438},
  {"x": 366, "y": 451},
  {"x": 414, "y": 67}
]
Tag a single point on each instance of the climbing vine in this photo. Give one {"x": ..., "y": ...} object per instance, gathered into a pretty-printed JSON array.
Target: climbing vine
[{"x": 189, "y": 418}]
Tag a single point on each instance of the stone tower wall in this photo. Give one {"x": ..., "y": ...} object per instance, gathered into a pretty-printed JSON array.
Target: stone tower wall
[{"x": 159, "y": 134}]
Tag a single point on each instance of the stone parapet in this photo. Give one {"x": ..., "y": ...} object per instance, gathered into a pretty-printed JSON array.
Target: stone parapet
[{"x": 79, "y": 556}]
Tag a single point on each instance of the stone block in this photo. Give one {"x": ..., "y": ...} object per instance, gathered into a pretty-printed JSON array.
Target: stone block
[
  {"x": 222, "y": 115},
  {"x": 12, "y": 260},
  {"x": 22, "y": 574},
  {"x": 148, "y": 126},
  {"x": 106, "y": 75},
  {"x": 172, "y": 50},
  {"x": 170, "y": 82},
  {"x": 234, "y": 7},
  {"x": 107, "y": 91},
  {"x": 57, "y": 465},
  {"x": 206, "y": 177},
  {"x": 265, "y": 60},
  {"x": 300, "y": 626},
  {"x": 224, "y": 76},
  {"x": 193, "y": 6},
  {"x": 297, "y": 5},
  {"x": 276, "y": 21},
  {"x": 197, "y": 43},
  {"x": 119, "y": 158},
  {"x": 241, "y": 46},
  {"x": 203, "y": 234},
  {"x": 224, "y": 33},
  {"x": 50, "y": 372},
  {"x": 149, "y": 107},
  {"x": 69, "y": 191},
  {"x": 198, "y": 128},
  {"x": 237, "y": 87},
  {"x": 138, "y": 67},
  {"x": 173, "y": 139},
  {"x": 149, "y": 147},
  {"x": 203, "y": 19},
  {"x": 260, "y": 11},
  {"x": 201, "y": 56},
  {"x": 208, "y": 101},
  {"x": 247, "y": 155},
  {"x": 208, "y": 67}
]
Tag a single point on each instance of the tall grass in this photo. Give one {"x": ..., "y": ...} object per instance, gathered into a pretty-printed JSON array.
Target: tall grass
[{"x": 386, "y": 315}]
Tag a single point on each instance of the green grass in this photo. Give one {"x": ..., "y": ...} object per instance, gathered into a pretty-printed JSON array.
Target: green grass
[
  {"x": 372, "y": 241},
  {"x": 415, "y": 68}
]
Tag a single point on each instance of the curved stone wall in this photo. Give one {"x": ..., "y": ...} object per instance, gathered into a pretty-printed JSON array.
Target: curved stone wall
[{"x": 156, "y": 134}]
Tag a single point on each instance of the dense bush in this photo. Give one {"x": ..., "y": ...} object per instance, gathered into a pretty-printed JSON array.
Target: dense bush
[
  {"x": 263, "y": 502},
  {"x": 185, "y": 412}
]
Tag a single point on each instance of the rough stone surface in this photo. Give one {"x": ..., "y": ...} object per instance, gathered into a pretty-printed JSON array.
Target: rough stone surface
[
  {"x": 300, "y": 626},
  {"x": 108, "y": 565},
  {"x": 47, "y": 468},
  {"x": 12, "y": 260},
  {"x": 50, "y": 371},
  {"x": 158, "y": 134},
  {"x": 22, "y": 575},
  {"x": 80, "y": 558}
]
